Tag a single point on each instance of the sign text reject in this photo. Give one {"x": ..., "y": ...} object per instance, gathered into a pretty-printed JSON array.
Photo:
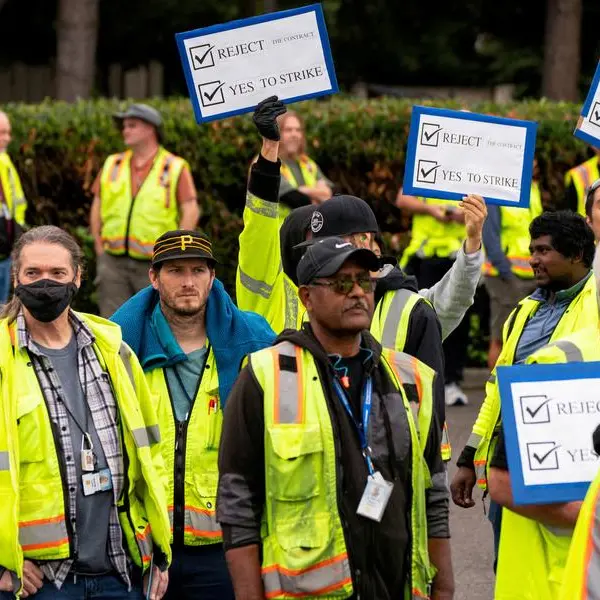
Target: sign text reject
[
  {"x": 230, "y": 68},
  {"x": 453, "y": 153}
]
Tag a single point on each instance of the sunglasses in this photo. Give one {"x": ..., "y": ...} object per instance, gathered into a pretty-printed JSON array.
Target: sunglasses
[{"x": 345, "y": 284}]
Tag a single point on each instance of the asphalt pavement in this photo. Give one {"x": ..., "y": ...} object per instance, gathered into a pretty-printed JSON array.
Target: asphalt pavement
[{"x": 472, "y": 544}]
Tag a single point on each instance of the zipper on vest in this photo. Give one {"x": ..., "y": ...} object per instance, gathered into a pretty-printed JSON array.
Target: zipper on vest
[{"x": 179, "y": 483}]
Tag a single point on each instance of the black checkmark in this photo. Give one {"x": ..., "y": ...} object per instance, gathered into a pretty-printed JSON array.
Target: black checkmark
[
  {"x": 200, "y": 60},
  {"x": 544, "y": 456},
  {"x": 537, "y": 410},
  {"x": 425, "y": 174},
  {"x": 597, "y": 115},
  {"x": 429, "y": 136},
  {"x": 208, "y": 96}
]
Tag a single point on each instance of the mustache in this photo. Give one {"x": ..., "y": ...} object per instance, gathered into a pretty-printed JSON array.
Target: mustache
[{"x": 359, "y": 304}]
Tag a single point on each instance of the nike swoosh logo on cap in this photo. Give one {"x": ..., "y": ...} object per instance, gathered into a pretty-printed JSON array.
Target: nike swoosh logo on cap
[{"x": 343, "y": 245}]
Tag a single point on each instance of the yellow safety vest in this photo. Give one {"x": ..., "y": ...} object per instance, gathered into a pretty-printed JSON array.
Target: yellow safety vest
[
  {"x": 514, "y": 235},
  {"x": 301, "y": 478},
  {"x": 309, "y": 170},
  {"x": 131, "y": 225},
  {"x": 13, "y": 191},
  {"x": 431, "y": 238},
  {"x": 581, "y": 313},
  {"x": 582, "y": 176},
  {"x": 532, "y": 557},
  {"x": 194, "y": 503},
  {"x": 44, "y": 531}
]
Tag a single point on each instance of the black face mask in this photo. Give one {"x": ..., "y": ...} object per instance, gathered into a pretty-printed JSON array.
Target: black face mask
[{"x": 46, "y": 299}]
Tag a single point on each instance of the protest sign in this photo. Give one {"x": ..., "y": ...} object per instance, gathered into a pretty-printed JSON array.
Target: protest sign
[
  {"x": 454, "y": 153},
  {"x": 230, "y": 68},
  {"x": 588, "y": 124},
  {"x": 549, "y": 413}
]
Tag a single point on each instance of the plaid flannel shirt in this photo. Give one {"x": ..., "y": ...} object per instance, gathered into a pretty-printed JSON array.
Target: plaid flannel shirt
[{"x": 103, "y": 409}]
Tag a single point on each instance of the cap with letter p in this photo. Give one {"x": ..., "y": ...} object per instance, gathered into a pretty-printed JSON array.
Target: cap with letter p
[
  {"x": 326, "y": 256},
  {"x": 182, "y": 243}
]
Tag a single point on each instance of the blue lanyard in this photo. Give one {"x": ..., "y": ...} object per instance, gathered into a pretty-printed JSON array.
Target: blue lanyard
[{"x": 361, "y": 428}]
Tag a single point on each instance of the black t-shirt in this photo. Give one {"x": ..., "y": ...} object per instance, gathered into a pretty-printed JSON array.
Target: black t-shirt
[{"x": 350, "y": 373}]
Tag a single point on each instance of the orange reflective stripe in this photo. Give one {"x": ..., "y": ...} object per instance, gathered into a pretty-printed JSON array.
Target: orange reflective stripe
[
  {"x": 590, "y": 583},
  {"x": 144, "y": 542},
  {"x": 43, "y": 533}
]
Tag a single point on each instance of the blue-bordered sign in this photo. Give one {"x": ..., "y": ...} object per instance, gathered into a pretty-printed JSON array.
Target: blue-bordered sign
[
  {"x": 588, "y": 124},
  {"x": 549, "y": 413},
  {"x": 230, "y": 68},
  {"x": 454, "y": 153}
]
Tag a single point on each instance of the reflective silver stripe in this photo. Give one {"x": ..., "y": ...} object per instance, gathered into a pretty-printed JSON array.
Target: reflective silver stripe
[
  {"x": 144, "y": 542},
  {"x": 141, "y": 437},
  {"x": 153, "y": 434},
  {"x": 316, "y": 581},
  {"x": 491, "y": 378},
  {"x": 261, "y": 207},
  {"x": 404, "y": 366},
  {"x": 287, "y": 399},
  {"x": 474, "y": 440},
  {"x": 480, "y": 473},
  {"x": 125, "y": 354},
  {"x": 390, "y": 327},
  {"x": 4, "y": 461},
  {"x": 572, "y": 352},
  {"x": 115, "y": 167},
  {"x": 256, "y": 286},
  {"x": 37, "y": 535},
  {"x": 202, "y": 524},
  {"x": 591, "y": 574},
  {"x": 291, "y": 304}
]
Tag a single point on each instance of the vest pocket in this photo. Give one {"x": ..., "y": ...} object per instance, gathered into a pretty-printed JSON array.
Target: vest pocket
[
  {"x": 30, "y": 424},
  {"x": 296, "y": 463}
]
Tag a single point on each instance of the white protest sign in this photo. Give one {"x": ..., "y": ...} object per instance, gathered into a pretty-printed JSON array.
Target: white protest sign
[
  {"x": 588, "y": 124},
  {"x": 230, "y": 68},
  {"x": 549, "y": 413},
  {"x": 454, "y": 153}
]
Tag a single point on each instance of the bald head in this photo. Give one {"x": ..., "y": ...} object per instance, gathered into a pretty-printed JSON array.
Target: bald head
[{"x": 4, "y": 131}]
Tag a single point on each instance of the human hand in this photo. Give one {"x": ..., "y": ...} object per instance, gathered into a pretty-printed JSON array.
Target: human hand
[
  {"x": 6, "y": 584},
  {"x": 99, "y": 247},
  {"x": 462, "y": 486},
  {"x": 265, "y": 117},
  {"x": 33, "y": 579},
  {"x": 475, "y": 213},
  {"x": 437, "y": 212},
  {"x": 160, "y": 583}
]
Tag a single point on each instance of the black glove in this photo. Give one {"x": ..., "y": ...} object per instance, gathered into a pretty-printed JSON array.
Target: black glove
[{"x": 265, "y": 117}]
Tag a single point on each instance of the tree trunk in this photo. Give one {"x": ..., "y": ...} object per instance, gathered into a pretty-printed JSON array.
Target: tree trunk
[
  {"x": 562, "y": 49},
  {"x": 77, "y": 34}
]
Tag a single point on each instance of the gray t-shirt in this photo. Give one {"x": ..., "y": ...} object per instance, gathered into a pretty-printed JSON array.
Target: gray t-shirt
[
  {"x": 93, "y": 512},
  {"x": 188, "y": 373}
]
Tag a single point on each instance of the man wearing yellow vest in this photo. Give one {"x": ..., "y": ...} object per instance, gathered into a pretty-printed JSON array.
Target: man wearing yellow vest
[
  {"x": 508, "y": 274},
  {"x": 562, "y": 250},
  {"x": 330, "y": 484},
  {"x": 138, "y": 195},
  {"x": 13, "y": 205},
  {"x": 437, "y": 234},
  {"x": 191, "y": 339},
  {"x": 592, "y": 208},
  {"x": 578, "y": 180},
  {"x": 302, "y": 181},
  {"x": 89, "y": 508}
]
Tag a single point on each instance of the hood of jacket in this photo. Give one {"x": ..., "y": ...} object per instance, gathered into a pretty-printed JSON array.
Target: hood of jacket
[{"x": 393, "y": 278}]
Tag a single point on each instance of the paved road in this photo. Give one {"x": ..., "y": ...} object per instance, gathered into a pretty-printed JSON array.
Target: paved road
[{"x": 472, "y": 547}]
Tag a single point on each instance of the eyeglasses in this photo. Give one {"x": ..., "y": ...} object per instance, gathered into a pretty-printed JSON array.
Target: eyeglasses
[{"x": 345, "y": 284}]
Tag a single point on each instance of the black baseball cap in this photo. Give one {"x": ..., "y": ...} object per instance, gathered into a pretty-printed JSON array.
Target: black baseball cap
[
  {"x": 343, "y": 215},
  {"x": 182, "y": 243},
  {"x": 326, "y": 256}
]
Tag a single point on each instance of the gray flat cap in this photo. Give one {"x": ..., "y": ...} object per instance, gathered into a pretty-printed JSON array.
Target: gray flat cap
[{"x": 141, "y": 111}]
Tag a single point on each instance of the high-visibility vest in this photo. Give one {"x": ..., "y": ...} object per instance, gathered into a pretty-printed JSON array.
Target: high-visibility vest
[
  {"x": 44, "y": 528},
  {"x": 532, "y": 556},
  {"x": 429, "y": 237},
  {"x": 14, "y": 197},
  {"x": 194, "y": 502},
  {"x": 581, "y": 313},
  {"x": 582, "y": 176},
  {"x": 309, "y": 170},
  {"x": 131, "y": 225},
  {"x": 301, "y": 478},
  {"x": 514, "y": 235}
]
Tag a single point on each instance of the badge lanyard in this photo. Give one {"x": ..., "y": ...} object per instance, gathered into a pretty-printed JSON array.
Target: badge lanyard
[{"x": 361, "y": 428}]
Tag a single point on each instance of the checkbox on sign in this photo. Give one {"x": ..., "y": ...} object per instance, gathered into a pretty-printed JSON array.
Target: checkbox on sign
[
  {"x": 543, "y": 456},
  {"x": 202, "y": 57},
  {"x": 211, "y": 93},
  {"x": 594, "y": 115},
  {"x": 430, "y": 134},
  {"x": 535, "y": 409},
  {"x": 427, "y": 171}
]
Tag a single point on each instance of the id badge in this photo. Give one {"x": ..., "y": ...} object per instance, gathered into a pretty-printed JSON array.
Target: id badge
[
  {"x": 87, "y": 460},
  {"x": 91, "y": 483},
  {"x": 375, "y": 497},
  {"x": 104, "y": 480}
]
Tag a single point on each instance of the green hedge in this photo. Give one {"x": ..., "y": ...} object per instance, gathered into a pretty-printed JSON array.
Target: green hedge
[{"x": 360, "y": 144}]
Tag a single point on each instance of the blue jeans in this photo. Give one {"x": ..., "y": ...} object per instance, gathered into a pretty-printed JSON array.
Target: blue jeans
[
  {"x": 5, "y": 281},
  {"x": 200, "y": 573},
  {"x": 101, "y": 587}
]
